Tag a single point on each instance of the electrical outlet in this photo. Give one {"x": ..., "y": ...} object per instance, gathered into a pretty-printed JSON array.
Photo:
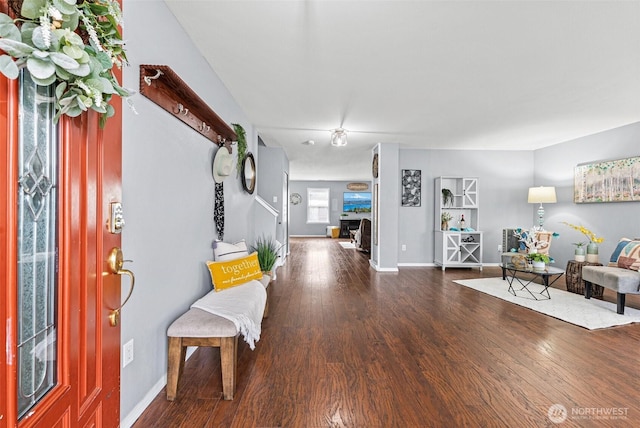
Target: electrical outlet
[
  {"x": 499, "y": 248},
  {"x": 275, "y": 199},
  {"x": 127, "y": 353},
  {"x": 404, "y": 247}
]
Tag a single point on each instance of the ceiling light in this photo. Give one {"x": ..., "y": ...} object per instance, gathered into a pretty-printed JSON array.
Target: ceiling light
[{"x": 339, "y": 137}]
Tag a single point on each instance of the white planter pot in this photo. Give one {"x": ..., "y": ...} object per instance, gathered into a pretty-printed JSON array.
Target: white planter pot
[{"x": 538, "y": 265}]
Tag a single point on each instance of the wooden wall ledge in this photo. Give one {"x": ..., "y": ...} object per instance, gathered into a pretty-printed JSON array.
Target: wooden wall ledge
[{"x": 164, "y": 87}]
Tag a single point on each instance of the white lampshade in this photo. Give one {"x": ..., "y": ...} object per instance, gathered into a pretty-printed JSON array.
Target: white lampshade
[
  {"x": 339, "y": 137},
  {"x": 542, "y": 194}
]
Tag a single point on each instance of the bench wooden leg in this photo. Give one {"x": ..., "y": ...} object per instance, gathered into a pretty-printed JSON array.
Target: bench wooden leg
[
  {"x": 587, "y": 290},
  {"x": 228, "y": 365},
  {"x": 175, "y": 366},
  {"x": 621, "y": 299}
]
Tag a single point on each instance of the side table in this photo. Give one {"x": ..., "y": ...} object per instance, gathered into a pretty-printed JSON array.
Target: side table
[{"x": 574, "y": 281}]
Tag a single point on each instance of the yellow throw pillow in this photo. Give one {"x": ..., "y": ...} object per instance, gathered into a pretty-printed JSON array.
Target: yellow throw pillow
[{"x": 227, "y": 274}]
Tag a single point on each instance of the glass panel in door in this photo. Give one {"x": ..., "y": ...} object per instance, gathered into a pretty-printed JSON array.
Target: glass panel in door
[{"x": 37, "y": 244}]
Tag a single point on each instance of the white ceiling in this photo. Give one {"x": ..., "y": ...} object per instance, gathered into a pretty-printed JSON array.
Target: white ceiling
[{"x": 429, "y": 74}]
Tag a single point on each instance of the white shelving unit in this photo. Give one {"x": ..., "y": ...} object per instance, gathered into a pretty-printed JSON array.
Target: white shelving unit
[{"x": 461, "y": 247}]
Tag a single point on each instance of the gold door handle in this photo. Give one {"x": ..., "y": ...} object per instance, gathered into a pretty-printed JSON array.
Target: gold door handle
[{"x": 115, "y": 261}]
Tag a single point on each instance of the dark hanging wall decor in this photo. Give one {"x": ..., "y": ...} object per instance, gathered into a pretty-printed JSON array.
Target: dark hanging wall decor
[{"x": 411, "y": 187}]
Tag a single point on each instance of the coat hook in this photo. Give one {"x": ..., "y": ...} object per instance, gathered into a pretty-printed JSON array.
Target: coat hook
[
  {"x": 185, "y": 111},
  {"x": 148, "y": 79},
  {"x": 208, "y": 128},
  {"x": 180, "y": 109}
]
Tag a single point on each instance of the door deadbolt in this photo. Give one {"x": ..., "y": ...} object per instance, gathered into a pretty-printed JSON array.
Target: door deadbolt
[{"x": 115, "y": 223}]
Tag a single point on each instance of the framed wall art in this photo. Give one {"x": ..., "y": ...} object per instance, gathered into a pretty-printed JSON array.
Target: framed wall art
[
  {"x": 607, "y": 181},
  {"x": 411, "y": 187}
]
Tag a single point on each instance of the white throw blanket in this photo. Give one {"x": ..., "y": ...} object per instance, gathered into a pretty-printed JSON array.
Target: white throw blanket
[{"x": 243, "y": 305}]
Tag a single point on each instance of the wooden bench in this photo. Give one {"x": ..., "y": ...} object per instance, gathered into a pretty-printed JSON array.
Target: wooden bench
[{"x": 197, "y": 327}]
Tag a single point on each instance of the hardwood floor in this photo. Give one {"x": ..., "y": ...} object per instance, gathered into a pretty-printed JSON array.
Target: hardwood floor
[{"x": 346, "y": 346}]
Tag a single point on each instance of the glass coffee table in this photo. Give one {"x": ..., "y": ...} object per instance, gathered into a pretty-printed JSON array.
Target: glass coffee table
[{"x": 549, "y": 276}]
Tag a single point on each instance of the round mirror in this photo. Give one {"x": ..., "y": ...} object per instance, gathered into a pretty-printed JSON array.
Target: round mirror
[{"x": 248, "y": 174}]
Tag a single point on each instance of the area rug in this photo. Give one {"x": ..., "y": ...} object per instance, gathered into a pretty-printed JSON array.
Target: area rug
[
  {"x": 349, "y": 245},
  {"x": 570, "y": 307}
]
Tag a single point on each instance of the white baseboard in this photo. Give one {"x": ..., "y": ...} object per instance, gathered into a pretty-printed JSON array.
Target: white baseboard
[
  {"x": 142, "y": 405},
  {"x": 416, "y": 264},
  {"x": 379, "y": 269}
]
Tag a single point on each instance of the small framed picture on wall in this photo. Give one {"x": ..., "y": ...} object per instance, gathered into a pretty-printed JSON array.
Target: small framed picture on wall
[{"x": 411, "y": 187}]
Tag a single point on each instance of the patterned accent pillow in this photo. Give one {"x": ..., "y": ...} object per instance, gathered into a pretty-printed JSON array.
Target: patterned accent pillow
[
  {"x": 225, "y": 251},
  {"x": 234, "y": 272},
  {"x": 613, "y": 260},
  {"x": 630, "y": 256}
]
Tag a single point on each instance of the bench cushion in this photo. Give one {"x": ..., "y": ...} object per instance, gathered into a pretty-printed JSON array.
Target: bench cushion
[
  {"x": 623, "y": 281},
  {"x": 198, "y": 323}
]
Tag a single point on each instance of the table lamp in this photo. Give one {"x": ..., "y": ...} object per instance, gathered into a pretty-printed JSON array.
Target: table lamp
[{"x": 541, "y": 195}]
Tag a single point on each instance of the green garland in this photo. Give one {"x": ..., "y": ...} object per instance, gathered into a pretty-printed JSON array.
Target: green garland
[
  {"x": 242, "y": 145},
  {"x": 48, "y": 44}
]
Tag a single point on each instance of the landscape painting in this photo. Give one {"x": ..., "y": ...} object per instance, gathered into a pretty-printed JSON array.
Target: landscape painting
[{"x": 608, "y": 181}]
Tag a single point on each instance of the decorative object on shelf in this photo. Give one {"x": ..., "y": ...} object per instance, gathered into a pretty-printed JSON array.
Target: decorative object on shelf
[
  {"x": 248, "y": 174},
  {"x": 163, "y": 86},
  {"x": 411, "y": 187},
  {"x": 445, "y": 217},
  {"x": 580, "y": 251},
  {"x": 592, "y": 246},
  {"x": 296, "y": 199},
  {"x": 49, "y": 43},
  {"x": 607, "y": 181},
  {"x": 541, "y": 195},
  {"x": 447, "y": 197},
  {"x": 242, "y": 147},
  {"x": 374, "y": 165},
  {"x": 357, "y": 186},
  {"x": 462, "y": 222}
]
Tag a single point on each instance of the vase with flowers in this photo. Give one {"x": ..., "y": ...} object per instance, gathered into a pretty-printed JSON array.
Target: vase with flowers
[
  {"x": 445, "y": 217},
  {"x": 592, "y": 245}
]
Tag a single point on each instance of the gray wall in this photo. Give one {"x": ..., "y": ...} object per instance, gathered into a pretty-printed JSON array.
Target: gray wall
[
  {"x": 555, "y": 165},
  {"x": 272, "y": 165},
  {"x": 504, "y": 178},
  {"x": 298, "y": 213},
  {"x": 168, "y": 196}
]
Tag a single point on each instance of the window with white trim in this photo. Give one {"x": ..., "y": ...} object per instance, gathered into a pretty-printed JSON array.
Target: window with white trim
[{"x": 317, "y": 205}]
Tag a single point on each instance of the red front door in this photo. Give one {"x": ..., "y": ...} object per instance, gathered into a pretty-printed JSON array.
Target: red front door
[{"x": 86, "y": 386}]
